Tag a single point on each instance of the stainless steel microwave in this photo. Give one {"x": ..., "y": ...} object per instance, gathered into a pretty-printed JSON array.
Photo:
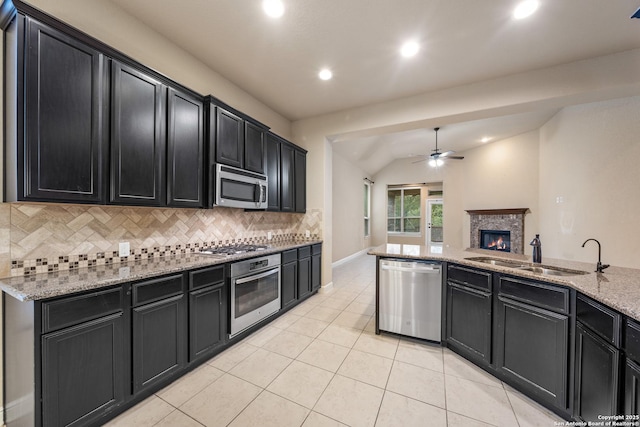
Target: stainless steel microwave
[{"x": 238, "y": 188}]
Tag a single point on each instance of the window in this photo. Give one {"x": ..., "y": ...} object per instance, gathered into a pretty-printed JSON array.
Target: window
[
  {"x": 367, "y": 208},
  {"x": 403, "y": 210}
]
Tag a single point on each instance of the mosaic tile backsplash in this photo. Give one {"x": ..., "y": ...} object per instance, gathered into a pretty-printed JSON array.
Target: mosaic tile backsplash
[{"x": 52, "y": 237}]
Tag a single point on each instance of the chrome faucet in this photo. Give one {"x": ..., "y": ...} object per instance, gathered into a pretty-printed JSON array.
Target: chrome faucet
[{"x": 600, "y": 266}]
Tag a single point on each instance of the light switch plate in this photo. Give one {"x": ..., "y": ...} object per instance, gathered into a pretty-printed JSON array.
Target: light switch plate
[
  {"x": 307, "y": 234},
  {"x": 269, "y": 235},
  {"x": 124, "y": 249}
]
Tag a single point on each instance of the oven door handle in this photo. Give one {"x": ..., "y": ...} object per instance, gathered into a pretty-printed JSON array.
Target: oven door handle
[{"x": 257, "y": 276}]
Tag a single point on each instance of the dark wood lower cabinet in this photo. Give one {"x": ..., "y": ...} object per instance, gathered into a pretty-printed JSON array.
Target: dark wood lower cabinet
[
  {"x": 532, "y": 350},
  {"x": 469, "y": 322},
  {"x": 83, "y": 371},
  {"x": 304, "y": 277},
  {"x": 159, "y": 341},
  {"x": 316, "y": 272},
  {"x": 207, "y": 320},
  {"x": 596, "y": 376},
  {"x": 632, "y": 388},
  {"x": 289, "y": 284}
]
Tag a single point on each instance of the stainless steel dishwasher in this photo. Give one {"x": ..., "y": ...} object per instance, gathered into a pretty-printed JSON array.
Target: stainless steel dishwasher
[{"x": 410, "y": 298}]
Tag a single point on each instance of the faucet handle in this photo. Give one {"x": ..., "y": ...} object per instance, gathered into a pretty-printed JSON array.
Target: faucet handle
[{"x": 600, "y": 267}]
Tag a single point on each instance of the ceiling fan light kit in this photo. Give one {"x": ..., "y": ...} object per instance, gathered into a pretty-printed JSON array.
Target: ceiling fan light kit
[{"x": 437, "y": 158}]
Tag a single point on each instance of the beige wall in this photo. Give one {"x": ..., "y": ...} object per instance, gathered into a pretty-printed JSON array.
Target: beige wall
[
  {"x": 402, "y": 171},
  {"x": 348, "y": 209},
  {"x": 589, "y": 177},
  {"x": 501, "y": 175}
]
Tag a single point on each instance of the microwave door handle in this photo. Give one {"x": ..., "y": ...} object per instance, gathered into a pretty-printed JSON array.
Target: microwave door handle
[{"x": 262, "y": 193}]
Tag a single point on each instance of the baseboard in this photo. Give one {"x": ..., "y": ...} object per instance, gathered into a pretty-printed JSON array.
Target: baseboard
[
  {"x": 350, "y": 257},
  {"x": 326, "y": 288}
]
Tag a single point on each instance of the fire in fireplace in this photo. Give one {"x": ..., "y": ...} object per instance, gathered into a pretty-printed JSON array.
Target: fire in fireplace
[{"x": 497, "y": 240}]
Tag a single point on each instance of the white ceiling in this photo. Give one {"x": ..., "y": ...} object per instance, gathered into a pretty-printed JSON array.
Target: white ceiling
[{"x": 463, "y": 41}]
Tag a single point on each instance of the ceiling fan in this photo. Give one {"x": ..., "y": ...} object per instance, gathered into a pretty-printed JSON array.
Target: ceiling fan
[{"x": 437, "y": 158}]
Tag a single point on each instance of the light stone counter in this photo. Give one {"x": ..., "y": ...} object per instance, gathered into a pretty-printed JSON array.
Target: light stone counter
[
  {"x": 617, "y": 287},
  {"x": 48, "y": 285}
]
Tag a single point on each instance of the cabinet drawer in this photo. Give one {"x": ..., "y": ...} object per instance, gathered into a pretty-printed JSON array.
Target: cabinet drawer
[
  {"x": 206, "y": 277},
  {"x": 600, "y": 319},
  {"x": 469, "y": 277},
  {"x": 632, "y": 340},
  {"x": 157, "y": 289},
  {"x": 304, "y": 252},
  {"x": 289, "y": 256},
  {"x": 539, "y": 294},
  {"x": 78, "y": 309},
  {"x": 316, "y": 249}
]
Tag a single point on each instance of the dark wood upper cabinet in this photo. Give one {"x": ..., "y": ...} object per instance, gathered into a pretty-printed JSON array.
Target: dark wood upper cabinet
[
  {"x": 64, "y": 131},
  {"x": 229, "y": 138},
  {"x": 287, "y": 178},
  {"x": 254, "y": 148},
  {"x": 272, "y": 170},
  {"x": 185, "y": 150},
  {"x": 300, "y": 170},
  {"x": 138, "y": 141}
]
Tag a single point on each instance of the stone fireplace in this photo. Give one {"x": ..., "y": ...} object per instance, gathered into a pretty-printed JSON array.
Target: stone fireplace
[{"x": 498, "y": 229}]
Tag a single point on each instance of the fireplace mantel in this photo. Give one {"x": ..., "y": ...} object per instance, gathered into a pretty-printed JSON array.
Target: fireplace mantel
[
  {"x": 517, "y": 211},
  {"x": 511, "y": 220}
]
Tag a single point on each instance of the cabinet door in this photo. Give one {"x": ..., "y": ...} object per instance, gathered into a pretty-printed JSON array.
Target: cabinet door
[
  {"x": 289, "y": 292},
  {"x": 632, "y": 388},
  {"x": 287, "y": 178},
  {"x": 596, "y": 376},
  {"x": 185, "y": 151},
  {"x": 138, "y": 141},
  {"x": 469, "y": 322},
  {"x": 159, "y": 341},
  {"x": 272, "y": 156},
  {"x": 207, "y": 320},
  {"x": 316, "y": 268},
  {"x": 229, "y": 138},
  {"x": 304, "y": 277},
  {"x": 300, "y": 167},
  {"x": 82, "y": 371},
  {"x": 64, "y": 153},
  {"x": 253, "y": 148},
  {"x": 532, "y": 349}
]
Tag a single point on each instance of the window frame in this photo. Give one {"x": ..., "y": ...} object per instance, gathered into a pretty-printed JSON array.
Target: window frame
[{"x": 402, "y": 217}]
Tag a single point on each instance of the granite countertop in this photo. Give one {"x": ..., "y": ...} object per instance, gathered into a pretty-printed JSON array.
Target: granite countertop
[
  {"x": 617, "y": 287},
  {"x": 48, "y": 285}
]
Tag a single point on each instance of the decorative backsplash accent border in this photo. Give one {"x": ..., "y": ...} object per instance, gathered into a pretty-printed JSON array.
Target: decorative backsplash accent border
[{"x": 56, "y": 237}]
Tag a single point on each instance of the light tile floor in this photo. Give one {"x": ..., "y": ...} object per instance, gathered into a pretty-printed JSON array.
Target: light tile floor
[{"x": 321, "y": 364}]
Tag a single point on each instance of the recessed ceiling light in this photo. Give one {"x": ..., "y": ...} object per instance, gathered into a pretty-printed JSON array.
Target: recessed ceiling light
[
  {"x": 525, "y": 9},
  {"x": 325, "y": 74},
  {"x": 409, "y": 49},
  {"x": 273, "y": 8},
  {"x": 485, "y": 139}
]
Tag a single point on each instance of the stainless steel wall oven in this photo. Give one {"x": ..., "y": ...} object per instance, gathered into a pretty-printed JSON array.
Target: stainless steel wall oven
[{"x": 255, "y": 291}]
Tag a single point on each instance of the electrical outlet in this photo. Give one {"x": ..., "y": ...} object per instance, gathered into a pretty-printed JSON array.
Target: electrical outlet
[
  {"x": 307, "y": 234},
  {"x": 124, "y": 249},
  {"x": 269, "y": 235}
]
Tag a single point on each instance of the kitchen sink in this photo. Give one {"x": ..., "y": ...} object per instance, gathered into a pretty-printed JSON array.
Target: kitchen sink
[
  {"x": 517, "y": 265},
  {"x": 551, "y": 271},
  {"x": 498, "y": 262}
]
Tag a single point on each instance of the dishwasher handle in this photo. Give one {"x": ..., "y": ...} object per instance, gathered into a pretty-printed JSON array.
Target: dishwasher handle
[{"x": 435, "y": 269}]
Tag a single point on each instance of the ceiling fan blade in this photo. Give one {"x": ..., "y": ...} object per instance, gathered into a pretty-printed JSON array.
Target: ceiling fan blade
[
  {"x": 455, "y": 157},
  {"x": 418, "y": 161},
  {"x": 446, "y": 153}
]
